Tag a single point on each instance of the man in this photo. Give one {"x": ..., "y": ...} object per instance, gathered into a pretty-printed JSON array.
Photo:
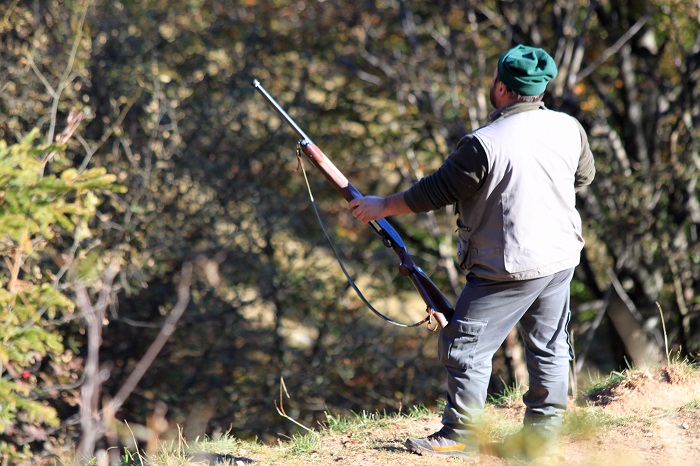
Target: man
[{"x": 514, "y": 183}]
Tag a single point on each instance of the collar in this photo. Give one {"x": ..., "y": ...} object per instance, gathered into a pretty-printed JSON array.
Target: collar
[{"x": 514, "y": 108}]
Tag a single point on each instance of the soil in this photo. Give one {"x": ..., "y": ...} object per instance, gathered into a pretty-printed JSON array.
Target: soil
[{"x": 651, "y": 417}]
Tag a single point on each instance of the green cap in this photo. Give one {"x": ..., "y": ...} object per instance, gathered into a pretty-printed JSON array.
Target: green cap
[{"x": 526, "y": 70}]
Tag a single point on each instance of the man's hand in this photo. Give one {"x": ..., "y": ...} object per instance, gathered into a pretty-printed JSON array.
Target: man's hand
[{"x": 369, "y": 208}]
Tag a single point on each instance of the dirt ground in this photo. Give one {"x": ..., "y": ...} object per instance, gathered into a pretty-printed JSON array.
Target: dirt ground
[{"x": 651, "y": 418}]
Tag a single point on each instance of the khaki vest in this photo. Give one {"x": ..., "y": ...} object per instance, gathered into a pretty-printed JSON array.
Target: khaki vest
[{"x": 523, "y": 222}]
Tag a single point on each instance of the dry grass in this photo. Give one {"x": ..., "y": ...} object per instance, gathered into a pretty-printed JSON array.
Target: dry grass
[{"x": 636, "y": 417}]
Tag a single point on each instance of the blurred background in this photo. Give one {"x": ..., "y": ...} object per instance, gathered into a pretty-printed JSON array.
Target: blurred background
[{"x": 187, "y": 280}]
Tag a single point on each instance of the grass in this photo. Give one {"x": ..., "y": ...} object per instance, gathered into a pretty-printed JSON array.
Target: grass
[
  {"x": 508, "y": 397},
  {"x": 693, "y": 405},
  {"x": 581, "y": 424},
  {"x": 374, "y": 431},
  {"x": 304, "y": 443},
  {"x": 419, "y": 411},
  {"x": 605, "y": 383},
  {"x": 227, "y": 449},
  {"x": 684, "y": 365},
  {"x": 676, "y": 368},
  {"x": 344, "y": 424}
]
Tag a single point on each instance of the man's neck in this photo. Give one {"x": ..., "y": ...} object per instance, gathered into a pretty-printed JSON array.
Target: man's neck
[{"x": 514, "y": 107}]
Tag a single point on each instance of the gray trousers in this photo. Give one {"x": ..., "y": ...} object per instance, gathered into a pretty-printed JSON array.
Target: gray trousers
[{"x": 485, "y": 313}]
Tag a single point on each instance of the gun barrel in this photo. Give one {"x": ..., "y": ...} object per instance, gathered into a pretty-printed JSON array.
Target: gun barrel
[{"x": 280, "y": 110}]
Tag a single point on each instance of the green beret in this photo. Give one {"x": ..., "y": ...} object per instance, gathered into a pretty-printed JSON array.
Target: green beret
[{"x": 526, "y": 70}]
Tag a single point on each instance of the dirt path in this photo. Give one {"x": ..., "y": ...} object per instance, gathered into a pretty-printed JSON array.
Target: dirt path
[{"x": 651, "y": 418}]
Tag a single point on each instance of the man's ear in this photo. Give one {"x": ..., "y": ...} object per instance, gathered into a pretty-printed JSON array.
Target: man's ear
[{"x": 501, "y": 88}]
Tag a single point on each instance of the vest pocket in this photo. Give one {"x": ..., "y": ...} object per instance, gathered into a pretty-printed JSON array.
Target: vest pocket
[
  {"x": 463, "y": 254},
  {"x": 458, "y": 342}
]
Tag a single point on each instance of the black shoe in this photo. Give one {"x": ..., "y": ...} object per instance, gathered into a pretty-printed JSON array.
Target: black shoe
[{"x": 439, "y": 444}]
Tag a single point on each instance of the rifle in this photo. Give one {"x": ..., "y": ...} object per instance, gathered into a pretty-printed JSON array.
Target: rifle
[{"x": 437, "y": 304}]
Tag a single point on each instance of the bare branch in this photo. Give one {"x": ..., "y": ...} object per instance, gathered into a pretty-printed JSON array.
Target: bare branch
[
  {"x": 91, "y": 150},
  {"x": 609, "y": 52},
  {"x": 66, "y": 74},
  {"x": 90, "y": 419},
  {"x": 183, "y": 299},
  {"x": 74, "y": 119},
  {"x": 94, "y": 421},
  {"x": 8, "y": 13},
  {"x": 280, "y": 407}
]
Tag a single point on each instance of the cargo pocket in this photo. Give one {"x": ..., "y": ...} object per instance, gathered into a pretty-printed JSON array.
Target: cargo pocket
[{"x": 458, "y": 342}]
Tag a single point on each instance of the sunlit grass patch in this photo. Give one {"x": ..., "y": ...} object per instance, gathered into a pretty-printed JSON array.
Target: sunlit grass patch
[
  {"x": 692, "y": 406},
  {"x": 302, "y": 444},
  {"x": 508, "y": 397},
  {"x": 344, "y": 424},
  {"x": 494, "y": 425},
  {"x": 580, "y": 423},
  {"x": 419, "y": 411},
  {"x": 601, "y": 384},
  {"x": 225, "y": 445},
  {"x": 222, "y": 451}
]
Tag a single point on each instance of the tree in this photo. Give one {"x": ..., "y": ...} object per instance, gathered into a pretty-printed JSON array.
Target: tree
[{"x": 35, "y": 208}]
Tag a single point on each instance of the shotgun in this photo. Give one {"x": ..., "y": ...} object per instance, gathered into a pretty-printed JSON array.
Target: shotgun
[{"x": 437, "y": 304}]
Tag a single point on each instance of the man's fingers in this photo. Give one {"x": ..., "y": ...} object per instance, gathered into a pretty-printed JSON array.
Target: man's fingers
[
  {"x": 363, "y": 208},
  {"x": 360, "y": 214}
]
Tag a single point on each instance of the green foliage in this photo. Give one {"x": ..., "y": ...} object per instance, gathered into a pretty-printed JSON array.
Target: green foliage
[{"x": 35, "y": 208}]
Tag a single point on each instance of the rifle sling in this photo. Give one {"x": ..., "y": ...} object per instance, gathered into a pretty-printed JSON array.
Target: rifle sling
[{"x": 427, "y": 320}]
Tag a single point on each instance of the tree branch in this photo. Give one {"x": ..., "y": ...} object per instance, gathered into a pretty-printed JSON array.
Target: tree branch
[{"x": 610, "y": 51}]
